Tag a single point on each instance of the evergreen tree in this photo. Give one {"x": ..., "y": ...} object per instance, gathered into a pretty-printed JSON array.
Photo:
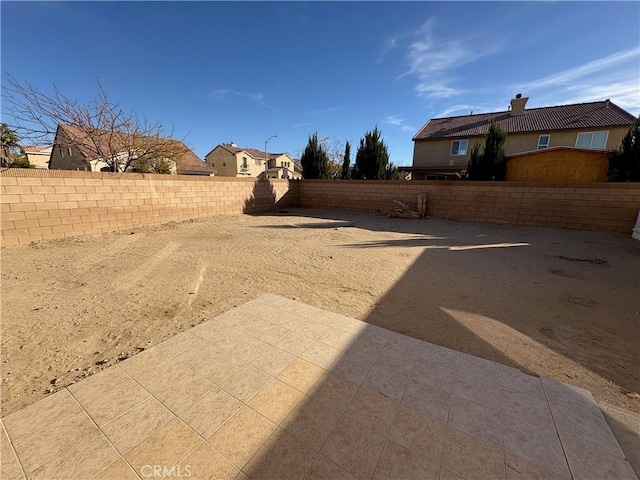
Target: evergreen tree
[
  {"x": 8, "y": 145},
  {"x": 314, "y": 160},
  {"x": 624, "y": 163},
  {"x": 346, "y": 163},
  {"x": 491, "y": 164},
  {"x": 372, "y": 158}
]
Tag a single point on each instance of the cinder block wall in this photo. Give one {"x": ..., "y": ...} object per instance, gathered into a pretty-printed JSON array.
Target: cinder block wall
[
  {"x": 41, "y": 204},
  {"x": 610, "y": 207}
]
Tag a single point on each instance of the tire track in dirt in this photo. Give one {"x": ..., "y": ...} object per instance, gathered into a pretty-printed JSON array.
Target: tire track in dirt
[{"x": 131, "y": 279}]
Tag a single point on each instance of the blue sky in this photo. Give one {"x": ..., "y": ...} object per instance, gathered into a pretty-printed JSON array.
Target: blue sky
[{"x": 220, "y": 72}]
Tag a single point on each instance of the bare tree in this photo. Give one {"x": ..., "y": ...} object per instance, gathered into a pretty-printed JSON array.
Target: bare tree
[{"x": 100, "y": 130}]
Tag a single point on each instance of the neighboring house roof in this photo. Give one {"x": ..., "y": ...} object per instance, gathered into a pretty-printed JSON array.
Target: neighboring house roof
[
  {"x": 37, "y": 150},
  {"x": 254, "y": 152},
  {"x": 544, "y": 119},
  {"x": 186, "y": 161},
  {"x": 544, "y": 151}
]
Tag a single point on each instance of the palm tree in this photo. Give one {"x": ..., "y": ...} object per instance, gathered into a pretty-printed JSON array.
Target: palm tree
[{"x": 9, "y": 141}]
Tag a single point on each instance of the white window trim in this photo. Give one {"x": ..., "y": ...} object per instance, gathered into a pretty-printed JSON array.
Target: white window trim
[
  {"x": 542, "y": 147},
  {"x": 606, "y": 139},
  {"x": 451, "y": 154}
]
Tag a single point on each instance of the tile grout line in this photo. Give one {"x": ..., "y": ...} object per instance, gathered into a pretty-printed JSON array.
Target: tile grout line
[
  {"x": 553, "y": 417},
  {"x": 24, "y": 473},
  {"x": 504, "y": 446}
]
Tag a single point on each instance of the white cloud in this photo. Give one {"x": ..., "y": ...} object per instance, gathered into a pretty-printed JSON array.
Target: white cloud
[
  {"x": 432, "y": 59},
  {"x": 615, "y": 77},
  {"x": 225, "y": 93},
  {"x": 398, "y": 121}
]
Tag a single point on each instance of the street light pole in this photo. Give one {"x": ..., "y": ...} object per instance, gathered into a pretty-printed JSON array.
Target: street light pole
[{"x": 266, "y": 156}]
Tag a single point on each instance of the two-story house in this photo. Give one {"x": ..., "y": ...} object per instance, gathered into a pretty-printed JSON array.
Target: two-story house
[
  {"x": 229, "y": 160},
  {"x": 73, "y": 149},
  {"x": 442, "y": 146}
]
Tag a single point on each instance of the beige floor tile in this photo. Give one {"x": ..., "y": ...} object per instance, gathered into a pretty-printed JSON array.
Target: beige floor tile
[
  {"x": 154, "y": 369},
  {"x": 534, "y": 443},
  {"x": 516, "y": 380},
  {"x": 177, "y": 344},
  {"x": 428, "y": 399},
  {"x": 275, "y": 400},
  {"x": 217, "y": 367},
  {"x": 242, "y": 436},
  {"x": 341, "y": 322},
  {"x": 167, "y": 448},
  {"x": 226, "y": 338},
  {"x": 354, "y": 448},
  {"x": 405, "y": 344},
  {"x": 247, "y": 349},
  {"x": 270, "y": 333},
  {"x": 210, "y": 411},
  {"x": 588, "y": 463},
  {"x": 324, "y": 469},
  {"x": 434, "y": 371},
  {"x": 197, "y": 352},
  {"x": 207, "y": 329},
  {"x": 281, "y": 457},
  {"x": 301, "y": 375},
  {"x": 422, "y": 435},
  {"x": 367, "y": 349},
  {"x": 386, "y": 381},
  {"x": 396, "y": 360},
  {"x": 476, "y": 420},
  {"x": 449, "y": 475},
  {"x": 184, "y": 392},
  {"x": 397, "y": 462},
  {"x": 585, "y": 426},
  {"x": 207, "y": 463},
  {"x": 375, "y": 411},
  {"x": 10, "y": 468},
  {"x": 245, "y": 381},
  {"x": 471, "y": 457},
  {"x": 520, "y": 469},
  {"x": 40, "y": 414},
  {"x": 437, "y": 354},
  {"x": 476, "y": 389},
  {"x": 311, "y": 422},
  {"x": 85, "y": 459},
  {"x": 373, "y": 333},
  {"x": 479, "y": 367},
  {"x": 525, "y": 406},
  {"x": 119, "y": 470},
  {"x": 241, "y": 476},
  {"x": 294, "y": 343},
  {"x": 131, "y": 428},
  {"x": 337, "y": 338},
  {"x": 272, "y": 360},
  {"x": 312, "y": 329},
  {"x": 55, "y": 435},
  {"x": 568, "y": 395},
  {"x": 108, "y": 395},
  {"x": 232, "y": 317},
  {"x": 334, "y": 391},
  {"x": 352, "y": 366},
  {"x": 321, "y": 355}
]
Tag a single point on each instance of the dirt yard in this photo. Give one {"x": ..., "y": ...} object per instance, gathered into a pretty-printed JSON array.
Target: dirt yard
[{"x": 553, "y": 302}]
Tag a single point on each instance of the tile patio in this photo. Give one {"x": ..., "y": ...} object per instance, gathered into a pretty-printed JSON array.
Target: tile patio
[{"x": 275, "y": 389}]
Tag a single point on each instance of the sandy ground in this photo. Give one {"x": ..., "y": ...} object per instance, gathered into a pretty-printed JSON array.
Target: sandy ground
[{"x": 553, "y": 302}]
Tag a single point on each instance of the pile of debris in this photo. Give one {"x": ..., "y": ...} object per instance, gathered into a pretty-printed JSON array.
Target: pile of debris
[{"x": 402, "y": 210}]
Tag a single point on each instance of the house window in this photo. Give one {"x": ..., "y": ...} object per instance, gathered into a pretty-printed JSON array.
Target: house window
[
  {"x": 61, "y": 152},
  {"x": 69, "y": 149},
  {"x": 244, "y": 162},
  {"x": 543, "y": 141},
  {"x": 224, "y": 162},
  {"x": 213, "y": 163},
  {"x": 459, "y": 147},
  {"x": 592, "y": 140}
]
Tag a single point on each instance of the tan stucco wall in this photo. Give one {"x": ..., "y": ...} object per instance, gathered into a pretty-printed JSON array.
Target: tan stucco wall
[
  {"x": 233, "y": 168},
  {"x": 39, "y": 159},
  {"x": 436, "y": 153}
]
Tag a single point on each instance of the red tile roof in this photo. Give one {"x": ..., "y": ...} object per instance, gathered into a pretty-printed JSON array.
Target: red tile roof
[
  {"x": 545, "y": 119},
  {"x": 37, "y": 149},
  {"x": 186, "y": 161}
]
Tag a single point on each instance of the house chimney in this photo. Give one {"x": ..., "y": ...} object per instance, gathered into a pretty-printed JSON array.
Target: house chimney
[{"x": 517, "y": 104}]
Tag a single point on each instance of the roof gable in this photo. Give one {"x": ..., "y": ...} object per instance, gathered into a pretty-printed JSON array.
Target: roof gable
[{"x": 544, "y": 119}]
